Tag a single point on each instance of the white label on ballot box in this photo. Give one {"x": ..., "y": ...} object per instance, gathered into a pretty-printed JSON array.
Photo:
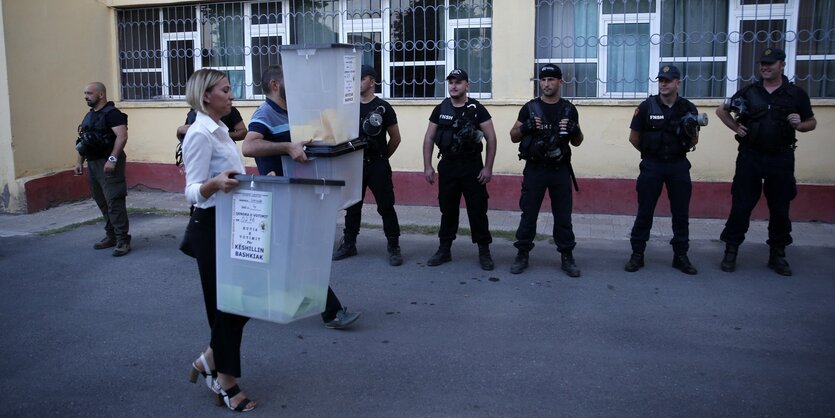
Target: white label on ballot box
[
  {"x": 251, "y": 217},
  {"x": 349, "y": 74}
]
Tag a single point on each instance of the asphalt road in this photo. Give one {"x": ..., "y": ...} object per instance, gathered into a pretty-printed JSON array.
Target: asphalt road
[{"x": 89, "y": 335}]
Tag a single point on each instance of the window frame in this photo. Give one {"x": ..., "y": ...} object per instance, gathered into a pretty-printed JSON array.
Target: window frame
[
  {"x": 786, "y": 12},
  {"x": 651, "y": 18},
  {"x": 738, "y": 13},
  {"x": 375, "y": 25}
]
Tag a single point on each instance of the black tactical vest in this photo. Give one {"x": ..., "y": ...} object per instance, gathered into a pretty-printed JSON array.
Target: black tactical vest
[
  {"x": 534, "y": 147},
  {"x": 661, "y": 139},
  {"x": 449, "y": 125},
  {"x": 95, "y": 124},
  {"x": 768, "y": 128}
]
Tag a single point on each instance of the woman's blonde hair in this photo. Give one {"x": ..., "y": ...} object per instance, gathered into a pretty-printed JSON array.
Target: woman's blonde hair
[{"x": 200, "y": 82}]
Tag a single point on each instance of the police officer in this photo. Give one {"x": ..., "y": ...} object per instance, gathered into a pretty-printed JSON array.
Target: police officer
[
  {"x": 102, "y": 137},
  {"x": 660, "y": 133},
  {"x": 457, "y": 126},
  {"x": 767, "y": 114},
  {"x": 377, "y": 118},
  {"x": 544, "y": 129}
]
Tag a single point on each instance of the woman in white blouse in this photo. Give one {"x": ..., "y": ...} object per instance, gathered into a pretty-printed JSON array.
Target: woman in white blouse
[{"x": 207, "y": 151}]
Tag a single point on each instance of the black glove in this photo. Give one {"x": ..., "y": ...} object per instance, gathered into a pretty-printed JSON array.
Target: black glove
[
  {"x": 528, "y": 127},
  {"x": 572, "y": 127}
]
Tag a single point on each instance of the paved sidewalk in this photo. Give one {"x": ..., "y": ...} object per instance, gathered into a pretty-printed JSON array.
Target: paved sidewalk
[{"x": 586, "y": 226}]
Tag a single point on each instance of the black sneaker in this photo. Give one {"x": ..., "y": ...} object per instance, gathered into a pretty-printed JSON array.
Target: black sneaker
[
  {"x": 343, "y": 319},
  {"x": 682, "y": 263},
  {"x": 520, "y": 263},
  {"x": 636, "y": 261}
]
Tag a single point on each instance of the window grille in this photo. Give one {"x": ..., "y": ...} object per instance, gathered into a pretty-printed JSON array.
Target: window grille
[
  {"x": 613, "y": 48},
  {"x": 412, "y": 44}
]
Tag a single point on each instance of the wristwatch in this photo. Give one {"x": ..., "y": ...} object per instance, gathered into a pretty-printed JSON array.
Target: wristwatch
[{"x": 112, "y": 159}]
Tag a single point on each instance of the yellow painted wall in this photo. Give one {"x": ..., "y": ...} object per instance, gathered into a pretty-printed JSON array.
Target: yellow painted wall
[
  {"x": 53, "y": 49},
  {"x": 48, "y": 68},
  {"x": 10, "y": 189},
  {"x": 606, "y": 152}
]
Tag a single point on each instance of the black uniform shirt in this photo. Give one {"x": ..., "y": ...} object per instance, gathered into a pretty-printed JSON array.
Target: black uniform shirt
[
  {"x": 639, "y": 118},
  {"x": 482, "y": 115},
  {"x": 389, "y": 119},
  {"x": 552, "y": 112},
  {"x": 672, "y": 149},
  {"x": 463, "y": 166}
]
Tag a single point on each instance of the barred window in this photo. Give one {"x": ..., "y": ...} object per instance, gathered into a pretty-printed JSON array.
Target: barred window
[
  {"x": 613, "y": 48},
  {"x": 412, "y": 44}
]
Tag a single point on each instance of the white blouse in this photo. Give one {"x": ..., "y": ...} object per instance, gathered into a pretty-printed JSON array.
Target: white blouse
[{"x": 207, "y": 151}]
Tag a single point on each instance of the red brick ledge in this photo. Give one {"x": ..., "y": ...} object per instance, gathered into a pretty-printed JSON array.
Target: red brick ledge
[{"x": 607, "y": 196}]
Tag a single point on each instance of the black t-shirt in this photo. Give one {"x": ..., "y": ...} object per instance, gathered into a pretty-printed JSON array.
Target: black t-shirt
[
  {"x": 482, "y": 115},
  {"x": 552, "y": 111},
  {"x": 640, "y": 119},
  {"x": 230, "y": 120},
  {"x": 664, "y": 143},
  {"x": 801, "y": 98},
  {"x": 116, "y": 118},
  {"x": 378, "y": 144},
  {"x": 112, "y": 118},
  {"x": 768, "y": 127},
  {"x": 471, "y": 164}
]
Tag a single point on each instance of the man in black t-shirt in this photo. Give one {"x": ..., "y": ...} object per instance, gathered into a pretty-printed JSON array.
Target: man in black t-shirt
[
  {"x": 102, "y": 136},
  {"x": 377, "y": 118},
  {"x": 545, "y": 128},
  {"x": 767, "y": 115},
  {"x": 457, "y": 126}
]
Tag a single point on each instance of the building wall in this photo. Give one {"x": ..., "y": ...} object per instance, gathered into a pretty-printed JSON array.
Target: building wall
[
  {"x": 605, "y": 153},
  {"x": 46, "y": 78},
  {"x": 10, "y": 189}
]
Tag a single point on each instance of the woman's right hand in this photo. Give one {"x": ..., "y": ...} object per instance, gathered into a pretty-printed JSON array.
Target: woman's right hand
[{"x": 224, "y": 181}]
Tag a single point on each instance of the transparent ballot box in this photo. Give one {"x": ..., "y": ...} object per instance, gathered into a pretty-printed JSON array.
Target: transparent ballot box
[
  {"x": 339, "y": 162},
  {"x": 274, "y": 246},
  {"x": 323, "y": 92}
]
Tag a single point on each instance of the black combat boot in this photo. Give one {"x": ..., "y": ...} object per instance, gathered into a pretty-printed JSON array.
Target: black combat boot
[
  {"x": 777, "y": 261},
  {"x": 443, "y": 255},
  {"x": 682, "y": 262},
  {"x": 568, "y": 264},
  {"x": 636, "y": 261},
  {"x": 729, "y": 261},
  {"x": 347, "y": 247},
  {"x": 520, "y": 263},
  {"x": 395, "y": 259},
  {"x": 484, "y": 257}
]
